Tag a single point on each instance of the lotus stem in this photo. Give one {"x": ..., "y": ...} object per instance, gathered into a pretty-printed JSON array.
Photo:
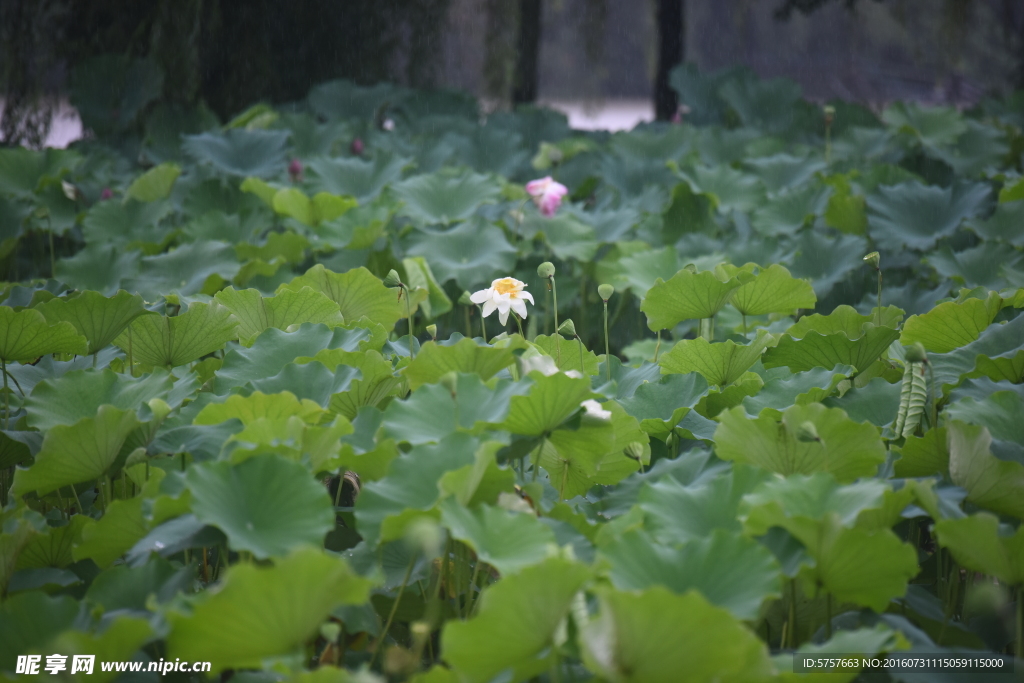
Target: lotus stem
[
  {"x": 74, "y": 492},
  {"x": 878, "y": 316},
  {"x": 394, "y": 609},
  {"x": 607, "y": 355},
  {"x": 483, "y": 325},
  {"x": 131, "y": 363},
  {"x": 657, "y": 347},
  {"x": 408, "y": 313},
  {"x": 1019, "y": 651},
  {"x": 519, "y": 323},
  {"x": 469, "y": 331},
  {"x": 744, "y": 315},
  {"x": 828, "y": 616},
  {"x": 792, "y": 614},
  {"x": 49, "y": 232},
  {"x": 554, "y": 310},
  {"x": 583, "y": 367},
  {"x": 471, "y": 602},
  {"x": 7, "y": 398},
  {"x": 828, "y": 144}
]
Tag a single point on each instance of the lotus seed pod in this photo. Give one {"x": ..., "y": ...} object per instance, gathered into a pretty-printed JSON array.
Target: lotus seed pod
[
  {"x": 567, "y": 328},
  {"x": 450, "y": 381},
  {"x": 392, "y": 279},
  {"x": 634, "y": 450},
  {"x": 606, "y": 291},
  {"x": 872, "y": 260},
  {"x": 916, "y": 353},
  {"x": 432, "y": 331},
  {"x": 546, "y": 269},
  {"x": 807, "y": 432},
  {"x": 464, "y": 299}
]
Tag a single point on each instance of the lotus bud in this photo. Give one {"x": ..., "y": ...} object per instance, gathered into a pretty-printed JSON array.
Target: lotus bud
[
  {"x": 357, "y": 147},
  {"x": 806, "y": 432},
  {"x": 606, "y": 291},
  {"x": 916, "y": 354},
  {"x": 634, "y": 450},
  {"x": 432, "y": 331},
  {"x": 546, "y": 270},
  {"x": 690, "y": 267},
  {"x": 392, "y": 279},
  {"x": 830, "y": 114},
  {"x": 567, "y": 328},
  {"x": 464, "y": 299},
  {"x": 106, "y": 194},
  {"x": 450, "y": 381},
  {"x": 295, "y": 170},
  {"x": 872, "y": 260},
  {"x": 330, "y": 631}
]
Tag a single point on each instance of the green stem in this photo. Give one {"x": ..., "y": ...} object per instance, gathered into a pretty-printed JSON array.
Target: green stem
[
  {"x": 7, "y": 399},
  {"x": 828, "y": 616},
  {"x": 483, "y": 325},
  {"x": 408, "y": 313},
  {"x": 879, "y": 306},
  {"x": 472, "y": 603},
  {"x": 828, "y": 144},
  {"x": 582, "y": 326},
  {"x": 792, "y": 614},
  {"x": 607, "y": 355},
  {"x": 657, "y": 347},
  {"x": 81, "y": 510},
  {"x": 932, "y": 409},
  {"x": 744, "y": 323},
  {"x": 337, "y": 493},
  {"x": 50, "y": 233},
  {"x": 469, "y": 331},
  {"x": 1019, "y": 651},
  {"x": 536, "y": 463},
  {"x": 131, "y": 363},
  {"x": 519, "y": 323},
  {"x": 554, "y": 310},
  {"x": 583, "y": 368},
  {"x": 394, "y": 609}
]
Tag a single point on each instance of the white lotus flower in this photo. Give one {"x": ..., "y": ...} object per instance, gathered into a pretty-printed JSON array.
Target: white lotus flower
[
  {"x": 505, "y": 294},
  {"x": 594, "y": 410}
]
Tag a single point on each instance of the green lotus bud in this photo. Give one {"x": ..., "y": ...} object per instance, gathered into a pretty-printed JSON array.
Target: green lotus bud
[
  {"x": 330, "y": 631},
  {"x": 916, "y": 354},
  {"x": 546, "y": 269},
  {"x": 464, "y": 299},
  {"x": 605, "y": 291},
  {"x": 450, "y": 381},
  {"x": 634, "y": 450},
  {"x": 830, "y": 113},
  {"x": 690, "y": 267},
  {"x": 432, "y": 331},
  {"x": 392, "y": 279},
  {"x": 567, "y": 328},
  {"x": 807, "y": 432},
  {"x": 872, "y": 259}
]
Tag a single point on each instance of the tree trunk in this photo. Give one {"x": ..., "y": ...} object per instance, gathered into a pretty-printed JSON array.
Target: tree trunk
[
  {"x": 671, "y": 30},
  {"x": 524, "y": 86}
]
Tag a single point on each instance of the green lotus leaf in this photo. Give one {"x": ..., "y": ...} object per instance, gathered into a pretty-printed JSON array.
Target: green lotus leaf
[
  {"x": 915, "y": 215},
  {"x": 729, "y": 188},
  {"x": 991, "y": 265},
  {"x": 720, "y": 363},
  {"x": 26, "y": 335},
  {"x": 260, "y": 612},
  {"x": 192, "y": 268},
  {"x": 994, "y": 352},
  {"x": 730, "y": 570},
  {"x": 577, "y": 459},
  {"x": 99, "y": 266},
  {"x": 126, "y": 223},
  {"x": 419, "y": 274},
  {"x": 516, "y": 623},
  {"x": 29, "y": 621},
  {"x": 773, "y": 290},
  {"x": 845, "y": 211},
  {"x": 660, "y": 405},
  {"x": 951, "y": 325},
  {"x": 278, "y": 246},
  {"x": 876, "y": 402},
  {"x": 274, "y": 349},
  {"x": 550, "y": 402},
  {"x": 654, "y": 635},
  {"x": 22, "y": 169},
  {"x": 96, "y": 317},
  {"x": 936, "y": 126},
  {"x": 978, "y": 543},
  {"x": 826, "y": 259},
  {"x": 122, "y": 587},
  {"x": 688, "y": 296},
  {"x": 53, "y": 549},
  {"x": 154, "y": 184},
  {"x": 169, "y": 342},
  {"x": 675, "y": 513},
  {"x": 636, "y": 267},
  {"x": 376, "y": 383},
  {"x": 120, "y": 528},
  {"x": 991, "y": 483},
  {"x": 358, "y": 294},
  {"x": 110, "y": 91},
  {"x": 256, "y": 313},
  {"x": 1004, "y": 224},
  {"x": 711, "y": 405},
  {"x": 570, "y": 353},
  {"x": 982, "y": 147},
  {"x": 55, "y": 212},
  {"x": 119, "y": 641},
  {"x": 846, "y": 449},
  {"x": 311, "y": 211},
  {"x": 76, "y": 453},
  {"x": 844, "y": 320},
  {"x": 256, "y": 406},
  {"x": 922, "y": 456},
  {"x": 567, "y": 236},
  {"x": 431, "y": 412},
  {"x": 266, "y": 505},
  {"x": 437, "y": 198},
  {"x": 473, "y": 253},
  {"x": 412, "y": 485},
  {"x": 360, "y": 178},
  {"x": 687, "y": 212},
  {"x": 239, "y": 152},
  {"x": 434, "y": 360},
  {"x": 78, "y": 394},
  {"x": 312, "y": 381},
  {"x": 826, "y": 351},
  {"x": 865, "y": 642},
  {"x": 507, "y": 541},
  {"x": 481, "y": 482},
  {"x": 811, "y": 386},
  {"x": 787, "y": 212}
]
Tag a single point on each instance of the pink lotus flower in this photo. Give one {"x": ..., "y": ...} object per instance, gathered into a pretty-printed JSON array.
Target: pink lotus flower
[
  {"x": 106, "y": 194},
  {"x": 547, "y": 194},
  {"x": 357, "y": 147}
]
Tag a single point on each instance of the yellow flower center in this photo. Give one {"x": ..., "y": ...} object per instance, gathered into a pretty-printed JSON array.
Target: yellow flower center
[{"x": 506, "y": 286}]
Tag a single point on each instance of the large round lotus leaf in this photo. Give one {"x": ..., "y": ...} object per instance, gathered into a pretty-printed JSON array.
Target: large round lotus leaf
[
  {"x": 934, "y": 126},
  {"x": 990, "y": 483},
  {"x": 472, "y": 253},
  {"x": 29, "y": 620},
  {"x": 1000, "y": 342},
  {"x": 266, "y": 505},
  {"x": 687, "y": 212},
  {"x": 773, "y": 290},
  {"x": 98, "y": 318},
  {"x": 120, "y": 528},
  {"x": 25, "y": 335},
  {"x": 358, "y": 293},
  {"x": 516, "y": 623},
  {"x": 876, "y": 402},
  {"x": 465, "y": 356},
  {"x": 256, "y": 406},
  {"x": 978, "y": 543},
  {"x": 826, "y": 260},
  {"x": 240, "y": 152},
  {"x": 845, "y": 320},
  {"x": 261, "y": 612},
  {"x": 124, "y": 587},
  {"x": 915, "y": 215},
  {"x": 730, "y": 188},
  {"x": 76, "y": 453},
  {"x": 567, "y": 355},
  {"x": 730, "y": 570},
  {"x": 798, "y": 503},
  {"x": 119, "y": 641},
  {"x": 363, "y": 179},
  {"x": 256, "y": 312},
  {"x": 508, "y": 541},
  {"x": 161, "y": 341},
  {"x": 312, "y": 381},
  {"x": 811, "y": 386},
  {"x": 720, "y": 363},
  {"x": 950, "y": 325},
  {"x": 990, "y": 265},
  {"x": 846, "y": 448},
  {"x": 660, "y": 404},
  {"x": 184, "y": 270},
  {"x": 22, "y": 169},
  {"x": 568, "y": 237},
  {"x": 551, "y": 400},
  {"x": 433, "y": 198},
  {"x": 687, "y": 296},
  {"x": 344, "y": 99},
  {"x": 78, "y": 394},
  {"x": 783, "y": 171},
  {"x": 154, "y": 184},
  {"x": 1004, "y": 224},
  {"x": 100, "y": 267},
  {"x": 653, "y": 636},
  {"x": 826, "y": 351},
  {"x": 126, "y": 223}
]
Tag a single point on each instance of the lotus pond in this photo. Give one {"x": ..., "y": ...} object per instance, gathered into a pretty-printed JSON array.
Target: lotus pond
[{"x": 253, "y": 415}]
